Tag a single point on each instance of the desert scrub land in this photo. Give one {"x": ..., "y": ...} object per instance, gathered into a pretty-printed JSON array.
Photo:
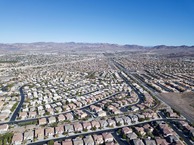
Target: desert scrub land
[{"x": 182, "y": 102}]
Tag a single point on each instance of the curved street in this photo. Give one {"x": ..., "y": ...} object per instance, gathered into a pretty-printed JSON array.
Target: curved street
[{"x": 16, "y": 111}]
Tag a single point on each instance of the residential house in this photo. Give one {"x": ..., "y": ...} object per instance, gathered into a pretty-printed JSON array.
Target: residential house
[
  {"x": 47, "y": 106},
  {"x": 119, "y": 121},
  {"x": 32, "y": 109},
  {"x": 160, "y": 141},
  {"x": 3, "y": 116},
  {"x": 78, "y": 141},
  {"x": 41, "y": 112},
  {"x": 116, "y": 111},
  {"x": 167, "y": 131},
  {"x": 67, "y": 142},
  {"x": 172, "y": 139},
  {"x": 6, "y": 109},
  {"x": 78, "y": 104},
  {"x": 17, "y": 139},
  {"x": 32, "y": 114},
  {"x": 59, "y": 130},
  {"x": 95, "y": 124},
  {"x": 95, "y": 108},
  {"x": 127, "y": 120},
  {"x": 49, "y": 132},
  {"x": 148, "y": 128},
  {"x": 69, "y": 128},
  {"x": 131, "y": 136},
  {"x": 147, "y": 114},
  {"x": 88, "y": 140},
  {"x": 140, "y": 130},
  {"x": 25, "y": 109},
  {"x": 126, "y": 130},
  {"x": 61, "y": 117},
  {"x": 111, "y": 123},
  {"x": 98, "y": 139},
  {"x": 29, "y": 135},
  {"x": 78, "y": 127},
  {"x": 107, "y": 137},
  {"x": 103, "y": 123},
  {"x": 124, "y": 102},
  {"x": 183, "y": 123},
  {"x": 149, "y": 142},
  {"x": 23, "y": 115},
  {"x": 84, "y": 102},
  {"x": 69, "y": 116},
  {"x": 137, "y": 142},
  {"x": 134, "y": 118},
  {"x": 57, "y": 143},
  {"x": 72, "y": 106},
  {"x": 4, "y": 128},
  {"x": 42, "y": 121},
  {"x": 87, "y": 125},
  {"x": 51, "y": 119},
  {"x": 140, "y": 116},
  {"x": 134, "y": 108},
  {"x": 66, "y": 108},
  {"x": 39, "y": 133},
  {"x": 51, "y": 111},
  {"x": 40, "y": 108},
  {"x": 101, "y": 114},
  {"x": 81, "y": 114},
  {"x": 141, "y": 106},
  {"x": 58, "y": 109}
]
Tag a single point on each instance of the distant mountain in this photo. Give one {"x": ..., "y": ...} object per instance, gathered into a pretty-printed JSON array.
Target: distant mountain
[
  {"x": 172, "y": 47},
  {"x": 52, "y": 47},
  {"x": 133, "y": 46},
  {"x": 73, "y": 46}
]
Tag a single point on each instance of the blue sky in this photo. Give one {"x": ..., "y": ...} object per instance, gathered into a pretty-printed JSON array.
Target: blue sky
[{"x": 142, "y": 22}]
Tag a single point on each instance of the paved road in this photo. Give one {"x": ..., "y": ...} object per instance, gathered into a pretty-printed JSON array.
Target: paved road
[
  {"x": 16, "y": 111},
  {"x": 157, "y": 95},
  {"x": 100, "y": 100},
  {"x": 187, "y": 116},
  {"x": 118, "y": 139},
  {"x": 163, "y": 87},
  {"x": 13, "y": 121},
  {"x": 151, "y": 90},
  {"x": 187, "y": 141},
  {"x": 103, "y": 130},
  {"x": 139, "y": 94}
]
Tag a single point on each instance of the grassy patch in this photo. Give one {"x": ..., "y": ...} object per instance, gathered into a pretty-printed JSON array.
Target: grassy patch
[{"x": 14, "y": 107}]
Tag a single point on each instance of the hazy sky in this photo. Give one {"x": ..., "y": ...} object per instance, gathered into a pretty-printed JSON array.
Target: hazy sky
[{"x": 143, "y": 22}]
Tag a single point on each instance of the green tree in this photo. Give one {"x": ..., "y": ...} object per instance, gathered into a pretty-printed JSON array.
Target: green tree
[
  {"x": 124, "y": 136},
  {"x": 51, "y": 142},
  {"x": 94, "y": 128},
  {"x": 119, "y": 124},
  {"x": 5, "y": 141},
  {"x": 119, "y": 131}
]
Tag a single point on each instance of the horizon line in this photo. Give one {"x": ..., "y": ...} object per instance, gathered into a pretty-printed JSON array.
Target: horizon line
[{"x": 10, "y": 43}]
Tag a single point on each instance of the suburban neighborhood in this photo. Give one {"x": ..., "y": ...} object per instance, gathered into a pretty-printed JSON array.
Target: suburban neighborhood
[{"x": 93, "y": 98}]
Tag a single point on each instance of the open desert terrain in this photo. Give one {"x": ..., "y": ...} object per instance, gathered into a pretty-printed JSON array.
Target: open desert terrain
[{"x": 182, "y": 102}]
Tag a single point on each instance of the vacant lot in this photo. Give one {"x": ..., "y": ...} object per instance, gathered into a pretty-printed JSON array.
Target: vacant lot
[{"x": 182, "y": 102}]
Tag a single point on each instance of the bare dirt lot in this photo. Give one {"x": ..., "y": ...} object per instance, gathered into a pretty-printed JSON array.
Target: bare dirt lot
[{"x": 182, "y": 102}]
